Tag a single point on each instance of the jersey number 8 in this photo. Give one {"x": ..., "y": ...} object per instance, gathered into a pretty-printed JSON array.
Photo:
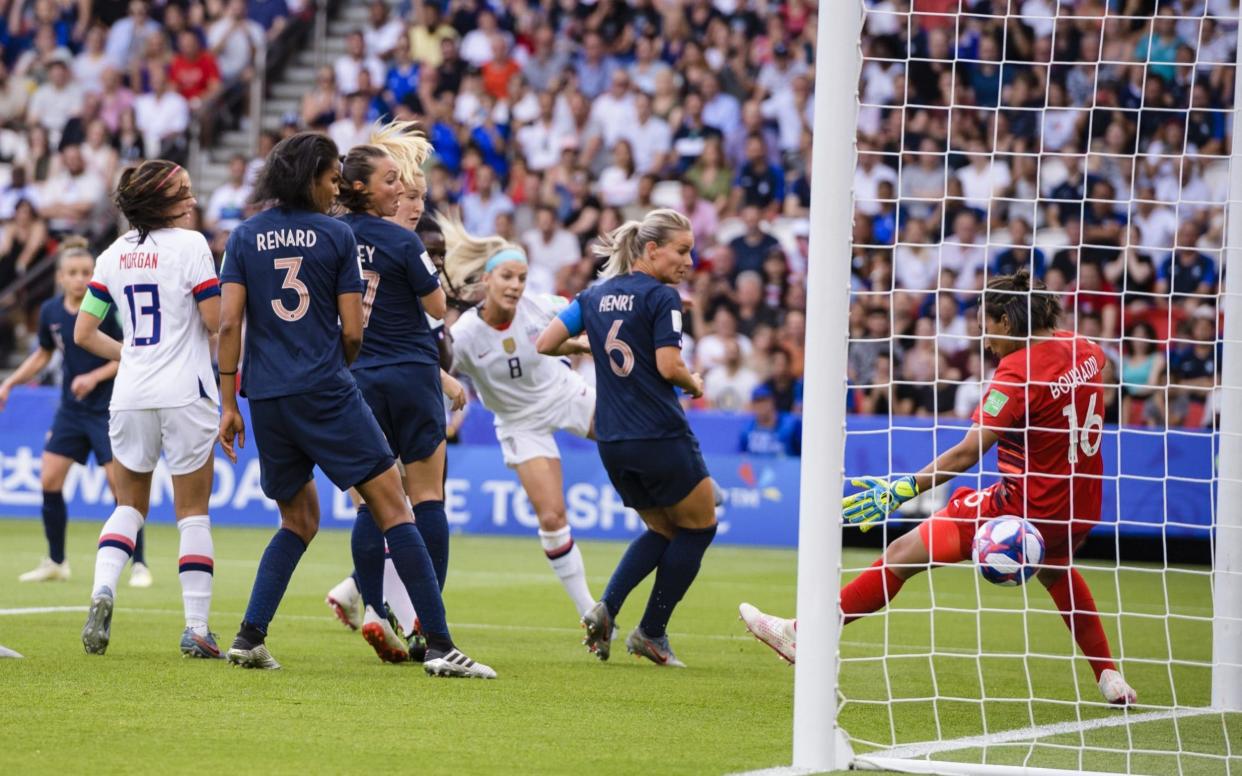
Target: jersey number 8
[
  {"x": 616, "y": 345},
  {"x": 291, "y": 266}
]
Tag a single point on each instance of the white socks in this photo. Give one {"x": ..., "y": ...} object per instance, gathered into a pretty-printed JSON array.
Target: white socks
[
  {"x": 116, "y": 547},
  {"x": 566, "y": 560},
  {"x": 196, "y": 564},
  {"x": 398, "y": 598}
]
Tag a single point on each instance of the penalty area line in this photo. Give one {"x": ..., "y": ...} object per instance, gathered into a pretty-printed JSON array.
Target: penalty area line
[{"x": 928, "y": 748}]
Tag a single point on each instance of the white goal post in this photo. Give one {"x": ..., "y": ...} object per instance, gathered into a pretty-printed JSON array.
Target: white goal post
[{"x": 819, "y": 740}]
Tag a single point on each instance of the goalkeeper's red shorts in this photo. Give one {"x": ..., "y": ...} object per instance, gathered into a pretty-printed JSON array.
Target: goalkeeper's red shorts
[{"x": 949, "y": 533}]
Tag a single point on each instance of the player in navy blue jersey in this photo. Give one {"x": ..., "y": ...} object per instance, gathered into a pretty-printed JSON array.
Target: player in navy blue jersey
[
  {"x": 633, "y": 323},
  {"x": 81, "y": 423},
  {"x": 398, "y": 371},
  {"x": 291, "y": 274}
]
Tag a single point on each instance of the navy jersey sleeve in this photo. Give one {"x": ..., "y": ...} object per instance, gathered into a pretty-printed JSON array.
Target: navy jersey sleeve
[
  {"x": 46, "y": 340},
  {"x": 420, "y": 270},
  {"x": 232, "y": 270},
  {"x": 349, "y": 273},
  {"x": 666, "y": 318}
]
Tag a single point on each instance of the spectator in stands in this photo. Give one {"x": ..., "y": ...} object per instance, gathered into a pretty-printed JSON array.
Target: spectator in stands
[
  {"x": 770, "y": 432},
  {"x": 1186, "y": 270},
  {"x": 783, "y": 381},
  {"x": 163, "y": 116},
  {"x": 546, "y": 63},
  {"x": 130, "y": 145},
  {"x": 752, "y": 311},
  {"x": 864, "y": 349},
  {"x": 751, "y": 248},
  {"x": 758, "y": 183},
  {"x": 710, "y": 350},
  {"x": 354, "y": 61},
  {"x": 650, "y": 137},
  {"x": 72, "y": 199},
  {"x": 720, "y": 109},
  {"x": 54, "y": 103},
  {"x": 234, "y": 39},
  {"x": 875, "y": 397},
  {"x": 427, "y": 33},
  {"x": 114, "y": 99},
  {"x": 89, "y": 64},
  {"x": 193, "y": 71},
  {"x": 551, "y": 250},
  {"x": 691, "y": 134},
  {"x": 480, "y": 207},
  {"x": 729, "y": 385},
  {"x": 914, "y": 260},
  {"x": 1142, "y": 375},
  {"x": 647, "y": 67},
  {"x": 703, "y": 215},
  {"x": 711, "y": 176},
  {"x": 271, "y": 15},
  {"x": 353, "y": 128},
  {"x": 227, "y": 207},
  {"x": 127, "y": 37},
  {"x": 793, "y": 109},
  {"x": 1193, "y": 371},
  {"x": 99, "y": 153},
  {"x": 320, "y": 104},
  {"x": 498, "y": 72},
  {"x": 594, "y": 66},
  {"x": 383, "y": 32},
  {"x": 23, "y": 242},
  {"x": 1019, "y": 254},
  {"x": 613, "y": 112},
  {"x": 477, "y": 46},
  {"x": 618, "y": 183}
]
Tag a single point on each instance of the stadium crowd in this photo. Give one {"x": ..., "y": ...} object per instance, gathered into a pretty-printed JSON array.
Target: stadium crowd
[{"x": 1090, "y": 149}]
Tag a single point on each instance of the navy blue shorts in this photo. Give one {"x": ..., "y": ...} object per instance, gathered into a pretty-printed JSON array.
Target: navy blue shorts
[
  {"x": 76, "y": 433},
  {"x": 649, "y": 473},
  {"x": 408, "y": 402},
  {"x": 332, "y": 429}
]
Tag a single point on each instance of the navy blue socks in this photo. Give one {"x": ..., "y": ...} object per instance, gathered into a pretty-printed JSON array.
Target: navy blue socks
[
  {"x": 410, "y": 558},
  {"x": 140, "y": 546},
  {"x": 678, "y": 568},
  {"x": 432, "y": 523},
  {"x": 275, "y": 569},
  {"x": 55, "y": 518},
  {"x": 367, "y": 546},
  {"x": 639, "y": 560}
]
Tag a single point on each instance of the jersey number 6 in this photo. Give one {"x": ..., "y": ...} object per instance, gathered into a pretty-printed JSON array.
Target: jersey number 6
[
  {"x": 1078, "y": 436},
  {"x": 291, "y": 266},
  {"x": 615, "y": 345}
]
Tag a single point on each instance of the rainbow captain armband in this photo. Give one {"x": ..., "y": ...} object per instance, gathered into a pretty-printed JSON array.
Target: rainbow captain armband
[
  {"x": 571, "y": 316},
  {"x": 97, "y": 301}
]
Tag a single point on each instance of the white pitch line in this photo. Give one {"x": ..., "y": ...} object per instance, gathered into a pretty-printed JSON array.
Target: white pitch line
[
  {"x": 41, "y": 610},
  {"x": 927, "y": 748}
]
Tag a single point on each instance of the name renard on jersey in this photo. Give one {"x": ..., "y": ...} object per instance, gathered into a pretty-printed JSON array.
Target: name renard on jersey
[
  {"x": 1080, "y": 374},
  {"x": 139, "y": 260},
  {"x": 286, "y": 238},
  {"x": 616, "y": 303}
]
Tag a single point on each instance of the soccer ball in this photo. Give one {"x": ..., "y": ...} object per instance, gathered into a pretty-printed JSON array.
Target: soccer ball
[{"x": 1007, "y": 550}]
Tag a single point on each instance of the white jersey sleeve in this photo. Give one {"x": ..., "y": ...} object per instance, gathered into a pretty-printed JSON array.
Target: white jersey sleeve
[
  {"x": 522, "y": 387},
  {"x": 156, "y": 286}
]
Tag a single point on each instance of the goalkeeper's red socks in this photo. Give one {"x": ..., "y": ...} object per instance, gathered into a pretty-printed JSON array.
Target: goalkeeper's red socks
[
  {"x": 1073, "y": 598},
  {"x": 870, "y": 591}
]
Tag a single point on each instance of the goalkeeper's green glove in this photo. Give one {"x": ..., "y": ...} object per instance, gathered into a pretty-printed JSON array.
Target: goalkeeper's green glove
[{"x": 878, "y": 501}]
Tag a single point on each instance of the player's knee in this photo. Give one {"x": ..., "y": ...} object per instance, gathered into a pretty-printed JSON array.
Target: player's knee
[
  {"x": 552, "y": 518},
  {"x": 51, "y": 481}
]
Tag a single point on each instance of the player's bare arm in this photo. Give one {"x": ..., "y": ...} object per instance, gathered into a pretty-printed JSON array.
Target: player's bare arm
[
  {"x": 33, "y": 365},
  {"x": 453, "y": 389},
  {"x": 672, "y": 368},
  {"x": 232, "y": 308},
  {"x": 435, "y": 303},
  {"x": 957, "y": 459},
  {"x": 87, "y": 335},
  {"x": 349, "y": 308}
]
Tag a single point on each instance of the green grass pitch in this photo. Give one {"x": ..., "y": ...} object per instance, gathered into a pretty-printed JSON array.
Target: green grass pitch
[{"x": 555, "y": 709}]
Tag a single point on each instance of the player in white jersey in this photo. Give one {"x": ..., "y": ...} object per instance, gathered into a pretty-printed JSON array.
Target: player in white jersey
[
  {"x": 162, "y": 279},
  {"x": 532, "y": 395}
]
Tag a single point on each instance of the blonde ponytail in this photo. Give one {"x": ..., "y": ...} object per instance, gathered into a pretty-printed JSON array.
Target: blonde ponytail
[
  {"x": 405, "y": 142},
  {"x": 624, "y": 246},
  {"x": 465, "y": 256}
]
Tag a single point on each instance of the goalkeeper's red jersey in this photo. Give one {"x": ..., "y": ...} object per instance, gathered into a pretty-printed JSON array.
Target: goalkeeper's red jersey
[{"x": 1046, "y": 402}]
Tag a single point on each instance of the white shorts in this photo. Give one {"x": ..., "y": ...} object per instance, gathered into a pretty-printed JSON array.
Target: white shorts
[
  {"x": 534, "y": 440},
  {"x": 184, "y": 434}
]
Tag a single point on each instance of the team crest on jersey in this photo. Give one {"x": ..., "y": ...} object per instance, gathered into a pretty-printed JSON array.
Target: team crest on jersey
[{"x": 509, "y": 345}]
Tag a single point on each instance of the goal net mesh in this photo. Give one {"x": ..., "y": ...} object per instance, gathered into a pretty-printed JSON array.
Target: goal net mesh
[{"x": 1088, "y": 142}]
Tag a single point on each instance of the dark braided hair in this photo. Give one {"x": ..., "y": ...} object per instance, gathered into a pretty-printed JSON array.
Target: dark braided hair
[
  {"x": 357, "y": 167},
  {"x": 1029, "y": 307},
  {"x": 291, "y": 170},
  {"x": 146, "y": 199}
]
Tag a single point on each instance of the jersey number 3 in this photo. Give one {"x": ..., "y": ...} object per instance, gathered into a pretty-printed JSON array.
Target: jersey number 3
[
  {"x": 151, "y": 310},
  {"x": 291, "y": 266}
]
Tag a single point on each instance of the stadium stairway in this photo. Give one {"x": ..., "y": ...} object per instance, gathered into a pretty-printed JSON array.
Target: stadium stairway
[{"x": 283, "y": 96}]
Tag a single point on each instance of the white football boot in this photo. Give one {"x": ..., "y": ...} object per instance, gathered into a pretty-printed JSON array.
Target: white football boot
[
  {"x": 47, "y": 571},
  {"x": 455, "y": 663},
  {"x": 346, "y": 603},
  {"x": 779, "y": 634},
  {"x": 1115, "y": 690},
  {"x": 383, "y": 638},
  {"x": 140, "y": 576}
]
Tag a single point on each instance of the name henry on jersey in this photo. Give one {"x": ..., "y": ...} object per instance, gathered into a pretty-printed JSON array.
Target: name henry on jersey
[
  {"x": 1075, "y": 377},
  {"x": 140, "y": 260},
  {"x": 616, "y": 303},
  {"x": 286, "y": 238}
]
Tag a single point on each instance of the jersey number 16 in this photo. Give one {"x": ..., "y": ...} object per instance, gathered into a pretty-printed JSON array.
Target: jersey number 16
[{"x": 1079, "y": 438}]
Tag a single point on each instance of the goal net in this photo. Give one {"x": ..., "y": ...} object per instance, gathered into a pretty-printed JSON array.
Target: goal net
[{"x": 1089, "y": 142}]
